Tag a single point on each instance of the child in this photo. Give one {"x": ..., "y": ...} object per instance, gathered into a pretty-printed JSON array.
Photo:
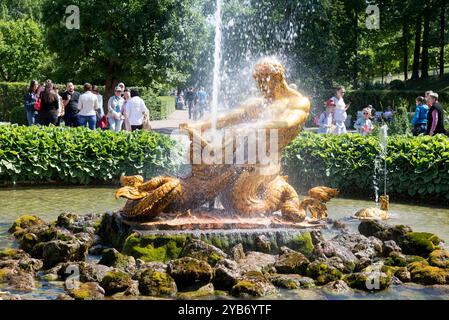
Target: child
[
  {"x": 326, "y": 119},
  {"x": 364, "y": 125},
  {"x": 419, "y": 121},
  {"x": 340, "y": 111}
]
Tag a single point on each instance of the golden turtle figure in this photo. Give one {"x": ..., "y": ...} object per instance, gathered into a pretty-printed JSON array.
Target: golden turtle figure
[
  {"x": 246, "y": 190},
  {"x": 375, "y": 213}
]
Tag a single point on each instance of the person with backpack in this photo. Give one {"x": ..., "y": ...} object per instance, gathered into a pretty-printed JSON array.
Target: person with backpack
[
  {"x": 31, "y": 98},
  {"x": 419, "y": 121}
]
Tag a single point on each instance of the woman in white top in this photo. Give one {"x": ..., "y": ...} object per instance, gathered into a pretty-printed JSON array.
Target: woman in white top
[
  {"x": 88, "y": 106},
  {"x": 340, "y": 114},
  {"x": 136, "y": 110},
  {"x": 115, "y": 110}
]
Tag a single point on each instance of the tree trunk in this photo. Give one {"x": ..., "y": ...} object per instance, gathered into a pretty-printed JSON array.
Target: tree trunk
[
  {"x": 415, "y": 73},
  {"x": 405, "y": 38},
  {"x": 425, "y": 46},
  {"x": 110, "y": 83},
  {"x": 442, "y": 38},
  {"x": 356, "y": 47}
]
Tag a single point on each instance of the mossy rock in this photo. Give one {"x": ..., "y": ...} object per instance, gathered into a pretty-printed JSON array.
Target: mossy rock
[
  {"x": 322, "y": 272},
  {"x": 156, "y": 283},
  {"x": 412, "y": 258},
  {"x": 66, "y": 219},
  {"x": 11, "y": 253},
  {"x": 368, "y": 281},
  {"x": 291, "y": 262},
  {"x": 302, "y": 243},
  {"x": 155, "y": 247},
  {"x": 419, "y": 243},
  {"x": 190, "y": 272},
  {"x": 396, "y": 259},
  {"x": 439, "y": 258},
  {"x": 291, "y": 281},
  {"x": 24, "y": 222},
  {"x": 28, "y": 241},
  {"x": 423, "y": 273},
  {"x": 204, "y": 291},
  {"x": 87, "y": 291},
  {"x": 113, "y": 258},
  {"x": 4, "y": 274},
  {"x": 113, "y": 231},
  {"x": 201, "y": 250},
  {"x": 115, "y": 282},
  {"x": 253, "y": 284}
]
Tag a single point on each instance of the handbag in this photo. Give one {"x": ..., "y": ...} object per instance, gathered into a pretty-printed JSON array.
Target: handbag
[
  {"x": 102, "y": 123},
  {"x": 37, "y": 104},
  {"x": 146, "y": 125}
]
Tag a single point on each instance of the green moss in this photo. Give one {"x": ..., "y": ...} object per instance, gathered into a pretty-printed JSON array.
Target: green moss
[
  {"x": 439, "y": 258},
  {"x": 423, "y": 273},
  {"x": 302, "y": 243},
  {"x": 412, "y": 258},
  {"x": 4, "y": 272},
  {"x": 322, "y": 273},
  {"x": 154, "y": 248},
  {"x": 214, "y": 258},
  {"x": 155, "y": 283},
  {"x": 24, "y": 222},
  {"x": 366, "y": 281},
  {"x": 420, "y": 243},
  {"x": 390, "y": 270},
  {"x": 81, "y": 294},
  {"x": 396, "y": 259},
  {"x": 8, "y": 253}
]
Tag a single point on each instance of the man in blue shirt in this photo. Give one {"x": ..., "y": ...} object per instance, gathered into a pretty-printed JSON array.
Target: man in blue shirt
[{"x": 202, "y": 101}]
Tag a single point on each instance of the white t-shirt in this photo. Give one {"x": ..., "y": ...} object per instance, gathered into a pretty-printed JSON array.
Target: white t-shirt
[
  {"x": 87, "y": 104},
  {"x": 340, "y": 110},
  {"x": 135, "y": 109}
]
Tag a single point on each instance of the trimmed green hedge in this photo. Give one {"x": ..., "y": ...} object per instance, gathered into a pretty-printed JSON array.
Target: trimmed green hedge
[
  {"x": 417, "y": 166},
  {"x": 13, "y": 93},
  {"x": 79, "y": 155}
]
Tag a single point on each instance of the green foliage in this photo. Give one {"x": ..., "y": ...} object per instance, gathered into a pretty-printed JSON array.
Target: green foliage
[
  {"x": 79, "y": 155},
  {"x": 22, "y": 50},
  {"x": 417, "y": 166},
  {"x": 400, "y": 123},
  {"x": 18, "y": 116}
]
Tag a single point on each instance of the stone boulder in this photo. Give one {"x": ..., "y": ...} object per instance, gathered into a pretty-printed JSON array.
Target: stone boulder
[
  {"x": 189, "y": 272},
  {"x": 291, "y": 281},
  {"x": 226, "y": 274},
  {"x": 113, "y": 258},
  {"x": 290, "y": 261},
  {"x": 322, "y": 273},
  {"x": 116, "y": 281},
  {"x": 156, "y": 283},
  {"x": 439, "y": 258},
  {"x": 368, "y": 280},
  {"x": 423, "y": 273},
  {"x": 200, "y": 250},
  {"x": 253, "y": 284},
  {"x": 337, "y": 288},
  {"x": 56, "y": 251},
  {"x": 257, "y": 261},
  {"x": 87, "y": 291}
]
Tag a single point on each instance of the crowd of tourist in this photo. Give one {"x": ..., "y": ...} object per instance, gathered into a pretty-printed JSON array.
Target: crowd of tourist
[
  {"x": 195, "y": 100},
  {"x": 428, "y": 118},
  {"x": 44, "y": 105}
]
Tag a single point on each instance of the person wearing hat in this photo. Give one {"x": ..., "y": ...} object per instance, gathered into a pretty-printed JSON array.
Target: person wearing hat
[
  {"x": 435, "y": 116},
  {"x": 364, "y": 125},
  {"x": 326, "y": 120},
  {"x": 340, "y": 114},
  {"x": 115, "y": 110}
]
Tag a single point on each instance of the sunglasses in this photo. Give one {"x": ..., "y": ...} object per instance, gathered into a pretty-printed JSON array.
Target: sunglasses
[{"x": 365, "y": 113}]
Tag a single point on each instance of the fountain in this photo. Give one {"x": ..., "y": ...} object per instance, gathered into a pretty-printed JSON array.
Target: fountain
[
  {"x": 250, "y": 193},
  {"x": 376, "y": 213},
  {"x": 217, "y": 63}
]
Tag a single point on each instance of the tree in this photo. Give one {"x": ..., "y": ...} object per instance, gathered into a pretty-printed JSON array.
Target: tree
[
  {"x": 22, "y": 50},
  {"x": 417, "y": 51},
  {"x": 133, "y": 41},
  {"x": 442, "y": 35},
  {"x": 425, "y": 44}
]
